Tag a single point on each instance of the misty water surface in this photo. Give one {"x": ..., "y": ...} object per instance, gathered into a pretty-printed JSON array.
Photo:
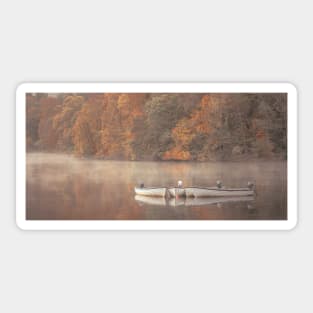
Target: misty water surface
[{"x": 62, "y": 187}]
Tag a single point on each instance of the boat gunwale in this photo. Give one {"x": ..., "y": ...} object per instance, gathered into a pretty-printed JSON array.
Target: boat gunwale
[
  {"x": 221, "y": 189},
  {"x": 151, "y": 188},
  {"x": 204, "y": 188}
]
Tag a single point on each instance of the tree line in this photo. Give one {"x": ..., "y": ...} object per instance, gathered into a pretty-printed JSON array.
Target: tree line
[{"x": 141, "y": 126}]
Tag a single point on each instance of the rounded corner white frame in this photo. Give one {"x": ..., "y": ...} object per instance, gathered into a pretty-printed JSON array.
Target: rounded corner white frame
[{"x": 292, "y": 157}]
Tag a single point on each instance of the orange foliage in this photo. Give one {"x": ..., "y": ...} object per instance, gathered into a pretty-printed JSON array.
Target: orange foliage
[
  {"x": 177, "y": 154},
  {"x": 63, "y": 121},
  {"x": 87, "y": 126},
  {"x": 201, "y": 117},
  {"x": 82, "y": 137},
  {"x": 119, "y": 113},
  {"x": 187, "y": 128},
  {"x": 155, "y": 127}
]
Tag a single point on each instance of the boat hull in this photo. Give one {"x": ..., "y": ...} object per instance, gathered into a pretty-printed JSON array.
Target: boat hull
[
  {"x": 177, "y": 192},
  {"x": 160, "y": 201},
  {"x": 193, "y": 192},
  {"x": 218, "y": 192},
  {"x": 188, "y": 202},
  {"x": 200, "y": 201},
  {"x": 151, "y": 192}
]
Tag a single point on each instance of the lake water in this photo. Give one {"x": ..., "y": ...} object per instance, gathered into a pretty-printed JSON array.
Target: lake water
[{"x": 61, "y": 187}]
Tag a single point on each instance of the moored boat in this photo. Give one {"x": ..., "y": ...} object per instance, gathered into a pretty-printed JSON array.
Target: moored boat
[
  {"x": 215, "y": 200},
  {"x": 151, "y": 191},
  {"x": 189, "y": 202},
  {"x": 161, "y": 201},
  {"x": 218, "y": 192},
  {"x": 195, "y": 192}
]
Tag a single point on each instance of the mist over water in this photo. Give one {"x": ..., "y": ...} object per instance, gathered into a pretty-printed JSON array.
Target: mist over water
[{"x": 62, "y": 187}]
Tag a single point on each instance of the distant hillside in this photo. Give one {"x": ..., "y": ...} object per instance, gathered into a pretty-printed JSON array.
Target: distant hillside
[{"x": 202, "y": 127}]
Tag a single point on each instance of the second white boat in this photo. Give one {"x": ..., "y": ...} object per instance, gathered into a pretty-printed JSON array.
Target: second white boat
[{"x": 218, "y": 192}]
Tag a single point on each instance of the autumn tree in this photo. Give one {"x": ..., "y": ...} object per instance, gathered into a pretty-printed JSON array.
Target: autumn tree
[
  {"x": 49, "y": 107},
  {"x": 188, "y": 130},
  {"x": 86, "y": 132},
  {"x": 64, "y": 121},
  {"x": 163, "y": 111}
]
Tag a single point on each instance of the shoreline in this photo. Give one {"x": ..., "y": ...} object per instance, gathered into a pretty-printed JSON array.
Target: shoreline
[{"x": 92, "y": 158}]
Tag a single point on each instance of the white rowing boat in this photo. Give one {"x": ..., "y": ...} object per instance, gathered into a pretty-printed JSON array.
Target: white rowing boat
[
  {"x": 151, "y": 200},
  {"x": 151, "y": 191},
  {"x": 189, "y": 202},
  {"x": 195, "y": 192},
  {"x": 218, "y": 192},
  {"x": 215, "y": 200}
]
